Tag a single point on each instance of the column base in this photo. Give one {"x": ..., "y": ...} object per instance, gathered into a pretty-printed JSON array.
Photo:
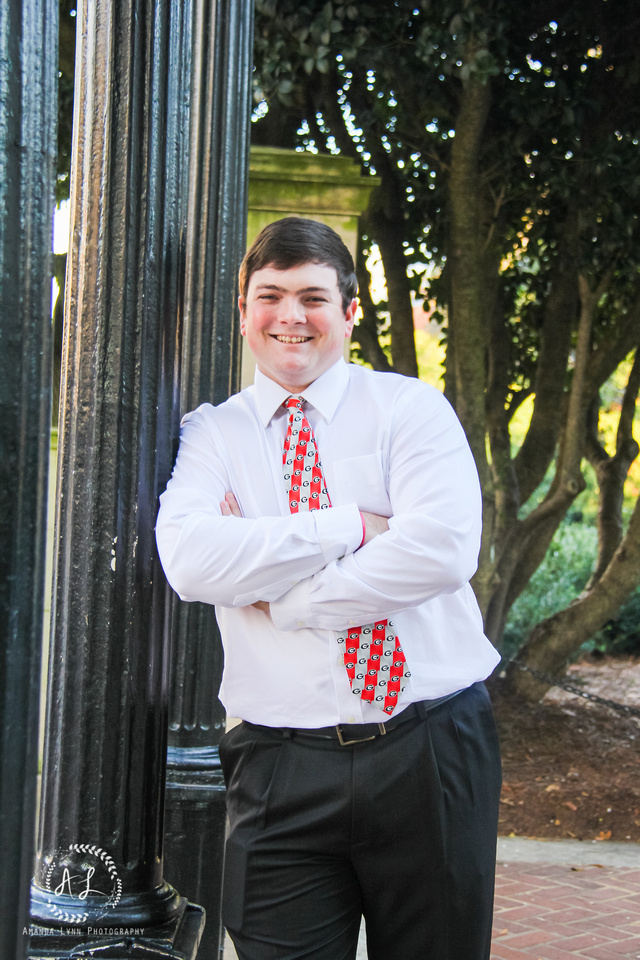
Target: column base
[
  {"x": 179, "y": 939},
  {"x": 70, "y": 906},
  {"x": 195, "y": 824}
]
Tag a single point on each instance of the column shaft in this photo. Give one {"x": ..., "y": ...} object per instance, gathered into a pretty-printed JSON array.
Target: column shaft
[
  {"x": 99, "y": 868},
  {"x": 210, "y": 366},
  {"x": 28, "y": 63}
]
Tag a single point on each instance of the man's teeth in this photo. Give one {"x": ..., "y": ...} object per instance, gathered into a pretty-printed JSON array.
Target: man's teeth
[{"x": 284, "y": 339}]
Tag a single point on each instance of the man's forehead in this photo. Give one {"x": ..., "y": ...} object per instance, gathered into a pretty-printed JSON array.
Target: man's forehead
[{"x": 302, "y": 278}]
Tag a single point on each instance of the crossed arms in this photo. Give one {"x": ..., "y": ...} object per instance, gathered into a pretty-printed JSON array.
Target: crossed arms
[
  {"x": 373, "y": 525},
  {"x": 310, "y": 568}
]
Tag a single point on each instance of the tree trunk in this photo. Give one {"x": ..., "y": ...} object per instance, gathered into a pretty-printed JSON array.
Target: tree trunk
[
  {"x": 467, "y": 305},
  {"x": 612, "y": 473},
  {"x": 385, "y": 218},
  {"x": 528, "y": 540}
]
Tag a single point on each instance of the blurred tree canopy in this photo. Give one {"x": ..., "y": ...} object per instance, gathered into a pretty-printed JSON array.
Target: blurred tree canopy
[{"x": 506, "y": 140}]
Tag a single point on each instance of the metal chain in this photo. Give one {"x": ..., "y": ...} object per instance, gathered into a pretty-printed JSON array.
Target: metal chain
[{"x": 572, "y": 688}]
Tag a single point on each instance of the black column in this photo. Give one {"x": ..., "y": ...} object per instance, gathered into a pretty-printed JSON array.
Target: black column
[
  {"x": 28, "y": 64},
  {"x": 99, "y": 870},
  {"x": 195, "y": 813}
]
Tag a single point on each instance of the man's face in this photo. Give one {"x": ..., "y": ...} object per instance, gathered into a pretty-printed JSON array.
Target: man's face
[{"x": 294, "y": 322}]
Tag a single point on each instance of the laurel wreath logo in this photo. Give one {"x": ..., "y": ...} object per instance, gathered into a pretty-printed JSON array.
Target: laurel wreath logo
[{"x": 113, "y": 895}]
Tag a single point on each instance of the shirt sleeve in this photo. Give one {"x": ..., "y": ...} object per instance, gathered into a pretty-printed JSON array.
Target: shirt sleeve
[
  {"x": 432, "y": 544},
  {"x": 234, "y": 561}
]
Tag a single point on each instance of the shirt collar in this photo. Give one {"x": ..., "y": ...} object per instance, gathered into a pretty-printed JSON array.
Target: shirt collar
[{"x": 324, "y": 394}]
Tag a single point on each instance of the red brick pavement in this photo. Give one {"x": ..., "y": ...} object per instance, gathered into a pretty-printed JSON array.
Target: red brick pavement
[{"x": 559, "y": 912}]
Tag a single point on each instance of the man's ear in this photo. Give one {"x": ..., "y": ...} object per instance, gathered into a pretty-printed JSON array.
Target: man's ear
[
  {"x": 350, "y": 316},
  {"x": 242, "y": 315}
]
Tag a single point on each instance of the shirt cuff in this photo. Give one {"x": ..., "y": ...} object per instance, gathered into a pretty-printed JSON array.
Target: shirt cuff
[
  {"x": 293, "y": 610},
  {"x": 339, "y": 531}
]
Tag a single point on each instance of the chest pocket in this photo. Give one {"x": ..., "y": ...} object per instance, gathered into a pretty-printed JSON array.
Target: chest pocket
[{"x": 361, "y": 480}]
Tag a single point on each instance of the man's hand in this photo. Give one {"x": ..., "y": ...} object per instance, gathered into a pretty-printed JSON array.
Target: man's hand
[
  {"x": 373, "y": 525},
  {"x": 229, "y": 506}
]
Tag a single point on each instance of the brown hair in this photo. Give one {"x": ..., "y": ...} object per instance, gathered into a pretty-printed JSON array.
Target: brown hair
[{"x": 295, "y": 240}]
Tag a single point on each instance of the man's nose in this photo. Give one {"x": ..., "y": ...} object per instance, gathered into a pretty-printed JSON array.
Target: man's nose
[{"x": 291, "y": 311}]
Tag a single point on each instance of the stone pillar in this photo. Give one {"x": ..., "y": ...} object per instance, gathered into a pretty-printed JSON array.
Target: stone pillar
[
  {"x": 28, "y": 72},
  {"x": 99, "y": 871},
  {"x": 195, "y": 811},
  {"x": 284, "y": 183}
]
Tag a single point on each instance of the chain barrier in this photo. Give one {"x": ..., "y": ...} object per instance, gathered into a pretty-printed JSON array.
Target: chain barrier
[{"x": 573, "y": 688}]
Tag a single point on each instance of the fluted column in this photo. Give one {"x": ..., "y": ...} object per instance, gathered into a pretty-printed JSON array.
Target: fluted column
[
  {"x": 99, "y": 870},
  {"x": 28, "y": 70},
  {"x": 195, "y": 814}
]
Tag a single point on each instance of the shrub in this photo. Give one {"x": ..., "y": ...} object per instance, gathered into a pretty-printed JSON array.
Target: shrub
[
  {"x": 559, "y": 579},
  {"x": 622, "y": 633}
]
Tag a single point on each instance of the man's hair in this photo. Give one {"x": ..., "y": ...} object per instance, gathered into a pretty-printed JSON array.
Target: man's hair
[{"x": 293, "y": 241}]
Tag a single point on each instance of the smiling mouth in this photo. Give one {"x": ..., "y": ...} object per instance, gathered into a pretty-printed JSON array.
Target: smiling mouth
[{"x": 281, "y": 338}]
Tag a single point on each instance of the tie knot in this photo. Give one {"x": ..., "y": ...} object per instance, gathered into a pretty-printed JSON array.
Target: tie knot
[{"x": 291, "y": 402}]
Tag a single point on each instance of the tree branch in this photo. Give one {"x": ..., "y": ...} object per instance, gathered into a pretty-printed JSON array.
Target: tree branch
[{"x": 539, "y": 445}]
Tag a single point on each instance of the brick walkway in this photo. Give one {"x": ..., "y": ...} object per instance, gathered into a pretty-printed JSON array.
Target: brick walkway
[{"x": 559, "y": 912}]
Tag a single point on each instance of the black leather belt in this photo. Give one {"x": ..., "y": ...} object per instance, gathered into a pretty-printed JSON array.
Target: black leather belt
[{"x": 348, "y": 733}]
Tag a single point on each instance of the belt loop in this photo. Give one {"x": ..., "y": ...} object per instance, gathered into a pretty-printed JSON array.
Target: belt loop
[
  {"x": 287, "y": 733},
  {"x": 422, "y": 709}
]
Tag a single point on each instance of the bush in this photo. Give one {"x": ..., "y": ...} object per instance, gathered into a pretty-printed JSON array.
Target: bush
[
  {"x": 559, "y": 579},
  {"x": 622, "y": 634}
]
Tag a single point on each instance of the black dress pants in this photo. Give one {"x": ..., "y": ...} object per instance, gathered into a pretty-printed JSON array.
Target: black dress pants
[{"x": 400, "y": 829}]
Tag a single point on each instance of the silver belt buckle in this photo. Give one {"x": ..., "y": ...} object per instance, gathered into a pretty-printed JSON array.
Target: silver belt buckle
[{"x": 345, "y": 743}]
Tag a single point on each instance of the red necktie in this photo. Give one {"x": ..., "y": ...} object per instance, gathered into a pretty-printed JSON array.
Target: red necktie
[{"x": 373, "y": 657}]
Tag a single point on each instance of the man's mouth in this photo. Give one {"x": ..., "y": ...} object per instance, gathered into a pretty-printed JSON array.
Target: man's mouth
[{"x": 284, "y": 339}]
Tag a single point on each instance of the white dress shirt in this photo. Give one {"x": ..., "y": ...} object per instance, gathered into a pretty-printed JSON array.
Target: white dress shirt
[{"x": 389, "y": 445}]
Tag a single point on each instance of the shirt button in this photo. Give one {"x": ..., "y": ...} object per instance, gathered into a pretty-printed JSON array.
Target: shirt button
[
  {"x": 351, "y": 719},
  {"x": 301, "y": 623},
  {"x": 340, "y": 660}
]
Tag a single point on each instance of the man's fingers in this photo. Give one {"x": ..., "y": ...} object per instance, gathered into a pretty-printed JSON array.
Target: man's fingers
[
  {"x": 229, "y": 506},
  {"x": 262, "y": 605},
  {"x": 373, "y": 525}
]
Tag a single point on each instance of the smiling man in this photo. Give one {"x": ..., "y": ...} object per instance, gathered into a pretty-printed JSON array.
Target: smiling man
[
  {"x": 295, "y": 322},
  {"x": 332, "y": 515}
]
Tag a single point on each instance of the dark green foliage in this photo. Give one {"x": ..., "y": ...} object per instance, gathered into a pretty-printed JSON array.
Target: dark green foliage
[
  {"x": 558, "y": 580},
  {"x": 621, "y": 635}
]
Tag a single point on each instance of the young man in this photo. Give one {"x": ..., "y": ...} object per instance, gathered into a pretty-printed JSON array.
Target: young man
[{"x": 332, "y": 515}]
